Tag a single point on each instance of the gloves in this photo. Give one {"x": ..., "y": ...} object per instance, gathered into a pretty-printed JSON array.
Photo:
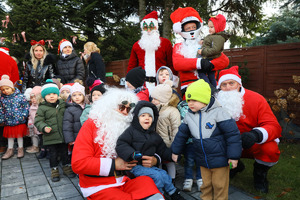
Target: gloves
[
  {"x": 206, "y": 65},
  {"x": 250, "y": 138},
  {"x": 137, "y": 155}
]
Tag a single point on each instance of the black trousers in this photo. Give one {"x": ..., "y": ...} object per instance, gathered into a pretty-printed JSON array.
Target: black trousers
[
  {"x": 3, "y": 140},
  {"x": 60, "y": 150}
]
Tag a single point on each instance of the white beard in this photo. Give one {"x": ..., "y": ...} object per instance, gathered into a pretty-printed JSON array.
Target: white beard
[
  {"x": 150, "y": 41},
  {"x": 189, "y": 48},
  {"x": 233, "y": 103}
]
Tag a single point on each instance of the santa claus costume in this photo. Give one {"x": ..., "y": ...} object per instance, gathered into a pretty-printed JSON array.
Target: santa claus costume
[
  {"x": 94, "y": 152},
  {"x": 8, "y": 65},
  {"x": 185, "y": 53},
  {"x": 260, "y": 130},
  {"x": 151, "y": 51}
]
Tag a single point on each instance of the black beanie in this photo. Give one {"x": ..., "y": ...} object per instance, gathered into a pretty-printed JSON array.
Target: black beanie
[
  {"x": 136, "y": 77},
  {"x": 100, "y": 88}
]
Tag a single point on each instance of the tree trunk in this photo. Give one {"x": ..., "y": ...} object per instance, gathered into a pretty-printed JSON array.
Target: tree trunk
[
  {"x": 142, "y": 9},
  {"x": 167, "y": 24}
]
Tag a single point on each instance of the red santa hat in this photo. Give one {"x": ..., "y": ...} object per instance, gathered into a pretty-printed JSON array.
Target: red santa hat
[
  {"x": 151, "y": 17},
  {"x": 184, "y": 15},
  {"x": 62, "y": 44},
  {"x": 229, "y": 74},
  {"x": 219, "y": 22},
  {"x": 4, "y": 50}
]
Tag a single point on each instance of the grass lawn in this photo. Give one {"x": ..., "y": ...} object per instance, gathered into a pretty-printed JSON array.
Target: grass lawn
[{"x": 284, "y": 177}]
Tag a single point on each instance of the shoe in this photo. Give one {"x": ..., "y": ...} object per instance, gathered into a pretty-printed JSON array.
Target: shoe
[
  {"x": 2, "y": 149},
  {"x": 260, "y": 173},
  {"x": 20, "y": 152},
  {"x": 28, "y": 148},
  {"x": 8, "y": 154},
  {"x": 240, "y": 167},
  {"x": 67, "y": 169},
  {"x": 187, "y": 185},
  {"x": 55, "y": 174},
  {"x": 33, "y": 149},
  {"x": 199, "y": 184},
  {"x": 42, "y": 154},
  {"x": 176, "y": 195}
]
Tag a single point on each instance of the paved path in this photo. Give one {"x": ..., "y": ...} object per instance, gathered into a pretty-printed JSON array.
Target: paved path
[{"x": 30, "y": 179}]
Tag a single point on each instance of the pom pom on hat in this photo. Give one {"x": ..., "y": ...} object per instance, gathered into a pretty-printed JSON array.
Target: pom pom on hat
[
  {"x": 219, "y": 22},
  {"x": 151, "y": 17},
  {"x": 27, "y": 93},
  {"x": 199, "y": 91},
  {"x": 136, "y": 77},
  {"x": 62, "y": 44},
  {"x": 49, "y": 87},
  {"x": 77, "y": 88},
  {"x": 229, "y": 74},
  {"x": 146, "y": 110},
  {"x": 6, "y": 82},
  {"x": 163, "y": 92}
]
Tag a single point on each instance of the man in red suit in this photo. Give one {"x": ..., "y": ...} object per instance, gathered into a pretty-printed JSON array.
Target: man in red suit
[
  {"x": 151, "y": 51},
  {"x": 260, "y": 130}
]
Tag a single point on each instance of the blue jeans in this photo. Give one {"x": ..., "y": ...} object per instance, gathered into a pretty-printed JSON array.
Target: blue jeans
[
  {"x": 159, "y": 176},
  {"x": 208, "y": 77},
  {"x": 189, "y": 162}
]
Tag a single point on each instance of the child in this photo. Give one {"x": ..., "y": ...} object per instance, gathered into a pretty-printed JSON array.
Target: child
[
  {"x": 140, "y": 139},
  {"x": 35, "y": 98},
  {"x": 13, "y": 113},
  {"x": 216, "y": 139},
  {"x": 169, "y": 116},
  {"x": 213, "y": 45},
  {"x": 96, "y": 93},
  {"x": 135, "y": 79},
  {"x": 65, "y": 91},
  {"x": 48, "y": 120}
]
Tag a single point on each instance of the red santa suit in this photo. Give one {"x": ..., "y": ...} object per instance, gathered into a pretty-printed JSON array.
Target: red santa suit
[
  {"x": 94, "y": 170},
  {"x": 8, "y": 65}
]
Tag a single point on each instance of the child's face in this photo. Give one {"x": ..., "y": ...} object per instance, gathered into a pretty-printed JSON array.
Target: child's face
[
  {"x": 96, "y": 95},
  {"x": 51, "y": 98},
  {"x": 155, "y": 101},
  {"x": 7, "y": 90},
  {"x": 33, "y": 99},
  {"x": 145, "y": 120},
  {"x": 129, "y": 86},
  {"x": 195, "y": 106},
  {"x": 77, "y": 97},
  {"x": 163, "y": 75},
  {"x": 65, "y": 94},
  {"x": 211, "y": 28},
  {"x": 67, "y": 50}
]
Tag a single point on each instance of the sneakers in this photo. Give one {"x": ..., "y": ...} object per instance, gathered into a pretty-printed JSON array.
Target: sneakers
[
  {"x": 187, "y": 185},
  {"x": 176, "y": 195},
  {"x": 67, "y": 169},
  {"x": 42, "y": 154},
  {"x": 20, "y": 152},
  {"x": 199, "y": 184},
  {"x": 33, "y": 149},
  {"x": 8, "y": 154},
  {"x": 55, "y": 174}
]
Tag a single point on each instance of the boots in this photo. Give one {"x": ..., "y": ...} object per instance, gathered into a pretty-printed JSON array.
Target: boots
[
  {"x": 67, "y": 169},
  {"x": 240, "y": 167},
  {"x": 20, "y": 152},
  {"x": 33, "y": 149},
  {"x": 8, "y": 154},
  {"x": 55, "y": 174},
  {"x": 42, "y": 154},
  {"x": 260, "y": 173}
]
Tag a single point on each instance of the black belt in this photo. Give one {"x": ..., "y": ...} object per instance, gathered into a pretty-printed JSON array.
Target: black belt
[{"x": 150, "y": 79}]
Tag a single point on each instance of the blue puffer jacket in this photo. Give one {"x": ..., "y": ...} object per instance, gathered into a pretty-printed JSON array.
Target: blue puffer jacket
[
  {"x": 215, "y": 135},
  {"x": 14, "y": 109}
]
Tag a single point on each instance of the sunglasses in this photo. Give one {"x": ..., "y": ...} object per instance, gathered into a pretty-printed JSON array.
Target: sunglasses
[
  {"x": 123, "y": 106},
  {"x": 146, "y": 27}
]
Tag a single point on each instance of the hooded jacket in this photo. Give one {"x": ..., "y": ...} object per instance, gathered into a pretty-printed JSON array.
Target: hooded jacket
[
  {"x": 135, "y": 138},
  {"x": 213, "y": 45}
]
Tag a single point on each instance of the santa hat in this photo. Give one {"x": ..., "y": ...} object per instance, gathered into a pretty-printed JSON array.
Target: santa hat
[
  {"x": 151, "y": 17},
  {"x": 62, "y": 44},
  {"x": 184, "y": 15},
  {"x": 229, "y": 74},
  {"x": 4, "y": 50},
  {"x": 66, "y": 86},
  {"x": 219, "y": 22}
]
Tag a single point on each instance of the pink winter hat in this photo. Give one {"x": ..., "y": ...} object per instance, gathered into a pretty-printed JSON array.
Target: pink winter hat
[
  {"x": 77, "y": 88},
  {"x": 36, "y": 90},
  {"x": 6, "y": 82}
]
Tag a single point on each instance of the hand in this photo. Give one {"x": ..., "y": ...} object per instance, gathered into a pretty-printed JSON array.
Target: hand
[
  {"x": 249, "y": 139},
  {"x": 48, "y": 129},
  {"x": 149, "y": 161},
  {"x": 199, "y": 51},
  {"x": 233, "y": 163},
  {"x": 120, "y": 164},
  {"x": 71, "y": 143},
  {"x": 174, "y": 157}
]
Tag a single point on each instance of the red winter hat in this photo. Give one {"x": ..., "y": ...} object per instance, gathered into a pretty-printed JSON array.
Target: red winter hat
[
  {"x": 4, "y": 50},
  {"x": 151, "y": 17},
  {"x": 63, "y": 43},
  {"x": 229, "y": 74},
  {"x": 183, "y": 15},
  {"x": 219, "y": 22}
]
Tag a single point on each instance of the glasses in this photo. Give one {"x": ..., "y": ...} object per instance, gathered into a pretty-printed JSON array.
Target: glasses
[
  {"x": 146, "y": 27},
  {"x": 123, "y": 106}
]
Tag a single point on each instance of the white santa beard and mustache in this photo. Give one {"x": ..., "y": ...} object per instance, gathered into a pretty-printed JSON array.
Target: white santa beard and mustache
[
  {"x": 233, "y": 103},
  {"x": 189, "y": 48},
  {"x": 150, "y": 41}
]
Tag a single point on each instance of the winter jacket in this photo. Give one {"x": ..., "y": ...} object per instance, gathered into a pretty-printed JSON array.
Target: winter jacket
[
  {"x": 168, "y": 120},
  {"x": 96, "y": 67},
  {"x": 71, "y": 123},
  {"x": 215, "y": 136},
  {"x": 213, "y": 45},
  {"x": 14, "y": 109},
  {"x": 70, "y": 68},
  {"x": 85, "y": 114},
  {"x": 51, "y": 115},
  {"x": 32, "y": 111},
  {"x": 135, "y": 138},
  {"x": 37, "y": 77},
  {"x": 143, "y": 94}
]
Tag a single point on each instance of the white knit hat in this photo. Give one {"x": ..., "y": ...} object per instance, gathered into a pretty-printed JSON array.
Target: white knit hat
[
  {"x": 163, "y": 92},
  {"x": 77, "y": 87}
]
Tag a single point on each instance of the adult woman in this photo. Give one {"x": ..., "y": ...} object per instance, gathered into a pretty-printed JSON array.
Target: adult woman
[
  {"x": 40, "y": 66},
  {"x": 96, "y": 67}
]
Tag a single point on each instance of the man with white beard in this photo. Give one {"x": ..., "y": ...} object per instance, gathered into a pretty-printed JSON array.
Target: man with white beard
[
  {"x": 101, "y": 172},
  {"x": 188, "y": 23},
  {"x": 260, "y": 130},
  {"x": 151, "y": 51}
]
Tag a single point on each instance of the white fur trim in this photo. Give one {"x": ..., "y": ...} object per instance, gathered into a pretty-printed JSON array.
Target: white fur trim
[
  {"x": 105, "y": 165},
  {"x": 229, "y": 77},
  {"x": 177, "y": 27},
  {"x": 265, "y": 134},
  {"x": 4, "y": 51},
  {"x": 64, "y": 44},
  {"x": 190, "y": 18},
  {"x": 199, "y": 63},
  {"x": 148, "y": 21}
]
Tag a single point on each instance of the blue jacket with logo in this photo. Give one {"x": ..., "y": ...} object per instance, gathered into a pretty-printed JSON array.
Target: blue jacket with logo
[{"x": 214, "y": 133}]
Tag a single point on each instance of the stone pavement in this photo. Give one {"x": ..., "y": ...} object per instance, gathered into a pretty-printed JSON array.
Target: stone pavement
[{"x": 30, "y": 179}]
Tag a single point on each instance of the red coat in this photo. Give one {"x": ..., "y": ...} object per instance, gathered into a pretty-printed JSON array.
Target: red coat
[
  {"x": 9, "y": 67},
  {"x": 86, "y": 160}
]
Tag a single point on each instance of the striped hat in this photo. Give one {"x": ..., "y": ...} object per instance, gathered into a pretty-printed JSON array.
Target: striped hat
[{"x": 49, "y": 87}]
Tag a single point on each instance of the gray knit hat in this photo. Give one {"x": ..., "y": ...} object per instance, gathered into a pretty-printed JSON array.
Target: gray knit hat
[{"x": 146, "y": 110}]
